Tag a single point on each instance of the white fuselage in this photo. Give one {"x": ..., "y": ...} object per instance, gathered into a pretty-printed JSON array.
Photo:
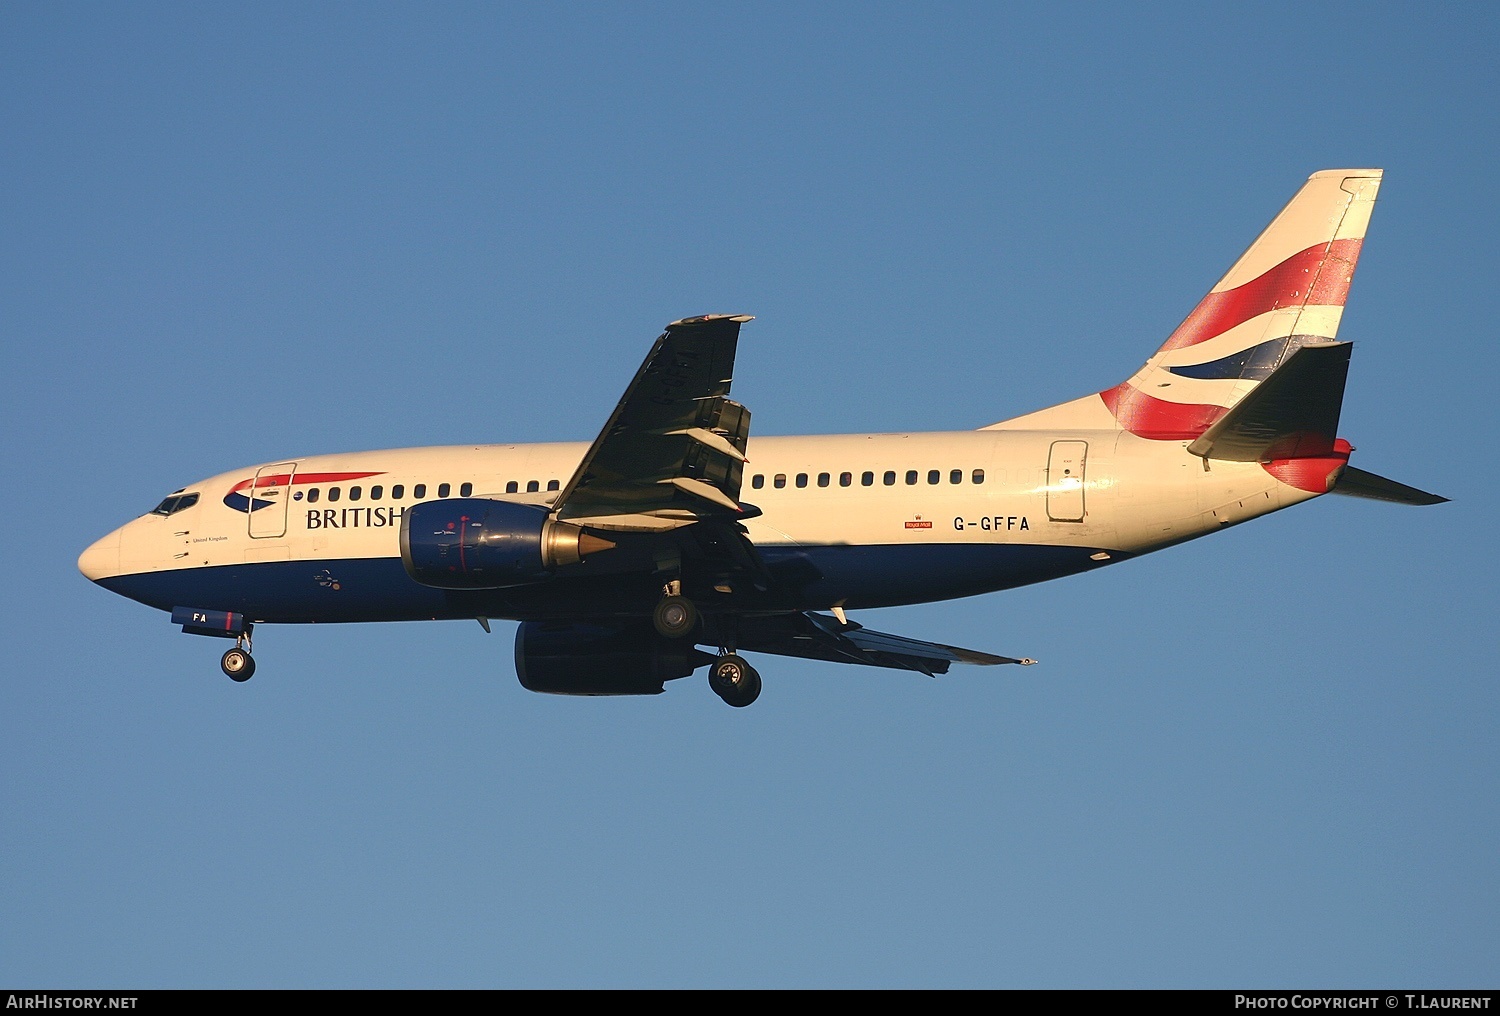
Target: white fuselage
[{"x": 847, "y": 520}]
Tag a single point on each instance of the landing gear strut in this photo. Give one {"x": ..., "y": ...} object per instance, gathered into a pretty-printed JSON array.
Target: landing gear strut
[
  {"x": 734, "y": 680},
  {"x": 731, "y": 678},
  {"x": 237, "y": 663}
]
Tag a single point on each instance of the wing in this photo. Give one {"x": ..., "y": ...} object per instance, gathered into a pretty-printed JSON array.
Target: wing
[
  {"x": 820, "y": 637},
  {"x": 673, "y": 451}
]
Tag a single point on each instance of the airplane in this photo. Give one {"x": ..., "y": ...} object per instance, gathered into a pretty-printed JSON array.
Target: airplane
[{"x": 673, "y": 530}]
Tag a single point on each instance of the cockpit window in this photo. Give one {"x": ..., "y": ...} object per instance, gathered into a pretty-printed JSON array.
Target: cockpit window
[{"x": 175, "y": 503}]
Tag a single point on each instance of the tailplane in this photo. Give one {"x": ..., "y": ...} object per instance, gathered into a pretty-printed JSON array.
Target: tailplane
[
  {"x": 1290, "y": 424},
  {"x": 1359, "y": 483},
  {"x": 1293, "y": 413}
]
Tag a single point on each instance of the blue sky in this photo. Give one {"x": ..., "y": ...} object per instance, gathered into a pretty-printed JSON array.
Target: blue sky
[{"x": 234, "y": 235}]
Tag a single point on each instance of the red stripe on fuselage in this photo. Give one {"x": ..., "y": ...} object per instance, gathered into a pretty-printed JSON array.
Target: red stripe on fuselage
[
  {"x": 280, "y": 479},
  {"x": 1318, "y": 276}
]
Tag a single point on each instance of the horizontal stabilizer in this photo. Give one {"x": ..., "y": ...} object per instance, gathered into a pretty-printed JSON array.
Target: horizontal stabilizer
[
  {"x": 820, "y": 637},
  {"x": 1293, "y": 412},
  {"x": 1359, "y": 483}
]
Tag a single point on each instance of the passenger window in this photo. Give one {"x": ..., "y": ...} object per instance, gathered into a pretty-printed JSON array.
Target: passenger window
[
  {"x": 802, "y": 479},
  {"x": 554, "y": 485},
  {"x": 979, "y": 476},
  {"x": 376, "y": 491},
  {"x": 532, "y": 486},
  {"x": 312, "y": 496},
  {"x": 934, "y": 476},
  {"x": 333, "y": 493},
  {"x": 758, "y": 480},
  {"x": 957, "y": 476},
  {"x": 443, "y": 489},
  {"x": 867, "y": 479},
  {"x": 419, "y": 491},
  {"x": 889, "y": 478},
  {"x": 512, "y": 487},
  {"x": 355, "y": 492},
  {"x": 398, "y": 492},
  {"x": 911, "y": 477},
  {"x": 822, "y": 479},
  {"x": 845, "y": 479},
  {"x": 466, "y": 490},
  {"x": 779, "y": 481}
]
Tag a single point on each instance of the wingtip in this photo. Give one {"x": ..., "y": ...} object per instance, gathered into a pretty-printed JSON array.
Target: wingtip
[{"x": 703, "y": 319}]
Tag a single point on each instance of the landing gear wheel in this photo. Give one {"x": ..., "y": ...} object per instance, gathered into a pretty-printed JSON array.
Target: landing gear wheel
[
  {"x": 675, "y": 617},
  {"x": 238, "y": 664},
  {"x": 734, "y": 680}
]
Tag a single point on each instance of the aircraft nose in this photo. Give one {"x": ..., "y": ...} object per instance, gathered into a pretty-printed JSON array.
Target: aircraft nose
[{"x": 102, "y": 559}]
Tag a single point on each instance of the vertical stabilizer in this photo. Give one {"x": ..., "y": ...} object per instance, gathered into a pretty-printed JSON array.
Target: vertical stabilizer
[{"x": 1286, "y": 291}]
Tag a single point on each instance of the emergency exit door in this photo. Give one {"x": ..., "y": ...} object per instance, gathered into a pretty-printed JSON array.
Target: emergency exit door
[{"x": 1065, "y": 486}]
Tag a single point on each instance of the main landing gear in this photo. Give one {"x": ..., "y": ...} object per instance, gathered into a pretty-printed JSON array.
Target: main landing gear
[
  {"x": 237, "y": 663},
  {"x": 675, "y": 616},
  {"x": 734, "y": 680},
  {"x": 730, "y": 676}
]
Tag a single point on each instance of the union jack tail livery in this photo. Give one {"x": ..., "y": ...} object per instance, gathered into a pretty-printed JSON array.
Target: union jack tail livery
[{"x": 1286, "y": 292}]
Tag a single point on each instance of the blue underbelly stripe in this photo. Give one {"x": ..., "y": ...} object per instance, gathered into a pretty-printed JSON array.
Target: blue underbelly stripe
[{"x": 808, "y": 577}]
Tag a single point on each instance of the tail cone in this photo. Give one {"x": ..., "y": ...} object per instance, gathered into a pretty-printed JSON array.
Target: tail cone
[{"x": 589, "y": 544}]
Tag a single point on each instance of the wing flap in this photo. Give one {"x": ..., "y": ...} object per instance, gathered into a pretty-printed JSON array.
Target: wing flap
[
  {"x": 704, "y": 490},
  {"x": 815, "y": 636}
]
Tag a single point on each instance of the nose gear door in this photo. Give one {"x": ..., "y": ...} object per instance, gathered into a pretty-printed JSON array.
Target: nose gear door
[{"x": 270, "y": 493}]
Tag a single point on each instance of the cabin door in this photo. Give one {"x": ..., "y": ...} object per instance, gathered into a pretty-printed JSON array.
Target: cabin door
[
  {"x": 270, "y": 493},
  {"x": 1065, "y": 465}
]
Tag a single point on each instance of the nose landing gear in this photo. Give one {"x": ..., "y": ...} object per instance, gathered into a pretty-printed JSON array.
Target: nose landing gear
[
  {"x": 225, "y": 624},
  {"x": 237, "y": 663}
]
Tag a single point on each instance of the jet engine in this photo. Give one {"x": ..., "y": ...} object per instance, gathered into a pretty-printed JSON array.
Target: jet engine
[
  {"x": 566, "y": 658},
  {"x": 478, "y": 543}
]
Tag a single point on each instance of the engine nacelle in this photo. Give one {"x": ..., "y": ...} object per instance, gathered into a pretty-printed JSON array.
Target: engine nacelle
[
  {"x": 478, "y": 543},
  {"x": 566, "y": 658}
]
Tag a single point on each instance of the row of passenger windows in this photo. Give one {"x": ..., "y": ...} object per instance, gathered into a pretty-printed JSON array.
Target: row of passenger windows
[
  {"x": 418, "y": 491},
  {"x": 867, "y": 478}
]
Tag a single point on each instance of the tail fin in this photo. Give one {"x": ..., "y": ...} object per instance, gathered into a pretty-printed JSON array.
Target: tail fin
[{"x": 1287, "y": 291}]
